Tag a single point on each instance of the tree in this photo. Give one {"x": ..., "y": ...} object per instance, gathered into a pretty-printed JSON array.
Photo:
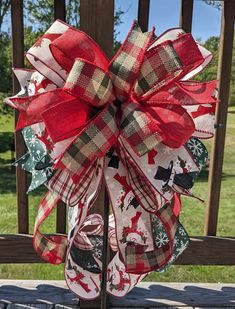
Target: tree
[
  {"x": 40, "y": 13},
  {"x": 214, "y": 3},
  {"x": 4, "y": 10},
  {"x": 5, "y": 63},
  {"x": 212, "y": 44}
]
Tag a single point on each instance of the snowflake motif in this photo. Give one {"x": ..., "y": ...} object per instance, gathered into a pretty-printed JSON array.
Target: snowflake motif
[
  {"x": 37, "y": 156},
  {"x": 97, "y": 253},
  {"x": 96, "y": 242},
  {"x": 161, "y": 239},
  {"x": 182, "y": 247},
  {"x": 182, "y": 231},
  {"x": 176, "y": 242},
  {"x": 195, "y": 146},
  {"x": 33, "y": 141}
]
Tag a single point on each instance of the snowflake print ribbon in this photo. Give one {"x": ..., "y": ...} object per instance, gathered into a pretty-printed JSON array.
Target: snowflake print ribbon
[{"x": 133, "y": 122}]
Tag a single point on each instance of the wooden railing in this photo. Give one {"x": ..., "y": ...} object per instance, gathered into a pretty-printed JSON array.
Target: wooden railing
[{"x": 97, "y": 19}]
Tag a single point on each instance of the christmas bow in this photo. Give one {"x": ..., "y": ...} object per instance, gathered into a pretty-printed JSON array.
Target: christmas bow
[{"x": 134, "y": 122}]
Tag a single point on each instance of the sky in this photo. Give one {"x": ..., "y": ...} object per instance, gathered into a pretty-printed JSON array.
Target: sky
[{"x": 164, "y": 14}]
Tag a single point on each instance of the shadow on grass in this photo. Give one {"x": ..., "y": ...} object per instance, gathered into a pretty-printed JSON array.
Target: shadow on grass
[
  {"x": 7, "y": 141},
  {"x": 6, "y": 163},
  {"x": 8, "y": 182},
  {"x": 204, "y": 174}
]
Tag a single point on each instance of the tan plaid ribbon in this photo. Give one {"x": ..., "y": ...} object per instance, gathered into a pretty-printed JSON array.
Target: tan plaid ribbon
[
  {"x": 142, "y": 261},
  {"x": 51, "y": 248}
]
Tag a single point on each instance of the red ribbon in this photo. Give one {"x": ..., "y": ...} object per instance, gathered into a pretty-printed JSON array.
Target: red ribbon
[{"x": 66, "y": 111}]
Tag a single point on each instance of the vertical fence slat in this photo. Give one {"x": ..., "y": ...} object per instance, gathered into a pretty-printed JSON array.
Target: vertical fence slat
[
  {"x": 60, "y": 13},
  {"x": 20, "y": 148},
  {"x": 224, "y": 72},
  {"x": 143, "y": 14},
  {"x": 59, "y": 9},
  {"x": 186, "y": 15},
  {"x": 97, "y": 19}
]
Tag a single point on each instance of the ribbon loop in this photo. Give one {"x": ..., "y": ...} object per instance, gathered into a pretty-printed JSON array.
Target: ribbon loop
[
  {"x": 161, "y": 65},
  {"x": 125, "y": 66},
  {"x": 139, "y": 129},
  {"x": 51, "y": 249},
  {"x": 41, "y": 58},
  {"x": 93, "y": 142},
  {"x": 89, "y": 82},
  {"x": 73, "y": 44}
]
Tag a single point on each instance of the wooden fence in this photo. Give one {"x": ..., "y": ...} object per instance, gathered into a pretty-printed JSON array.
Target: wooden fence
[{"x": 97, "y": 19}]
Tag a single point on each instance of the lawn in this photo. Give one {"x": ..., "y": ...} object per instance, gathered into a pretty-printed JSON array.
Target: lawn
[{"x": 192, "y": 216}]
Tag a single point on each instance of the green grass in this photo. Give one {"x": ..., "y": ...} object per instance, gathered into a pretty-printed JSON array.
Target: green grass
[{"x": 192, "y": 216}]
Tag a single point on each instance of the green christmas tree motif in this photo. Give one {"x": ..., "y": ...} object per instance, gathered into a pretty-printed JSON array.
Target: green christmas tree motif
[{"x": 36, "y": 161}]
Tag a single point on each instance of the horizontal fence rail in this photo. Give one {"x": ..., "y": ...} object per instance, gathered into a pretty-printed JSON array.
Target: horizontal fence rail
[{"x": 203, "y": 250}]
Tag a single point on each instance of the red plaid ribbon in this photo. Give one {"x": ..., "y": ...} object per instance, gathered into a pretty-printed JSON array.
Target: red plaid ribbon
[
  {"x": 140, "y": 261},
  {"x": 52, "y": 249}
]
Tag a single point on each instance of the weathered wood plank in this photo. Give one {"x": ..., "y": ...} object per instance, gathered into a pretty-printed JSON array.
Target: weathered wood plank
[
  {"x": 29, "y": 306},
  {"x": 153, "y": 294},
  {"x": 60, "y": 306},
  {"x": 20, "y": 147},
  {"x": 36, "y": 292},
  {"x": 171, "y": 307},
  {"x": 143, "y": 14},
  {"x": 61, "y": 217},
  {"x": 60, "y": 13},
  {"x": 11, "y": 245},
  {"x": 233, "y": 307},
  {"x": 217, "y": 153},
  {"x": 202, "y": 251},
  {"x": 145, "y": 295},
  {"x": 97, "y": 19},
  {"x": 128, "y": 307},
  {"x": 60, "y": 9},
  {"x": 207, "y": 251},
  {"x": 186, "y": 15}
]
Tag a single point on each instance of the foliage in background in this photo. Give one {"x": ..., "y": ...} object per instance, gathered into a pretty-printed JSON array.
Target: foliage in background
[
  {"x": 215, "y": 3},
  {"x": 39, "y": 15},
  {"x": 210, "y": 72},
  {"x": 4, "y": 10}
]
